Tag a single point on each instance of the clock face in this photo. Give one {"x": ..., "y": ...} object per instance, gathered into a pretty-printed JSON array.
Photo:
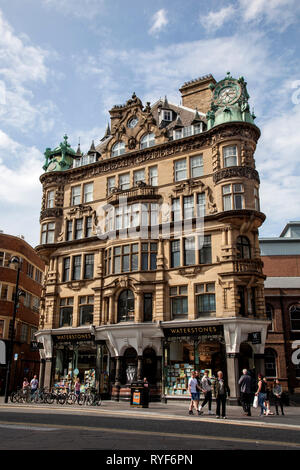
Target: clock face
[
  {"x": 51, "y": 166},
  {"x": 133, "y": 122},
  {"x": 228, "y": 95}
]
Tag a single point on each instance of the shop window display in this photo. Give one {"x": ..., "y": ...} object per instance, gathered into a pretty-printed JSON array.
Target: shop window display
[{"x": 182, "y": 355}]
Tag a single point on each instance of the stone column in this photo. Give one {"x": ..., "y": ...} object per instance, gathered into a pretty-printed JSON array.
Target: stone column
[
  {"x": 42, "y": 373},
  {"x": 140, "y": 368},
  {"x": 118, "y": 371},
  {"x": 232, "y": 360},
  {"x": 48, "y": 370},
  {"x": 139, "y": 314},
  {"x": 111, "y": 310}
]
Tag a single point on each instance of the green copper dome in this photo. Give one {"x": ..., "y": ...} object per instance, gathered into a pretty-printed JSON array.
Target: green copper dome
[{"x": 60, "y": 158}]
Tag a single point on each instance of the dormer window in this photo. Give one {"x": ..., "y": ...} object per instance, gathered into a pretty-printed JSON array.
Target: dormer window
[
  {"x": 118, "y": 149},
  {"x": 166, "y": 115},
  {"x": 147, "y": 140}
]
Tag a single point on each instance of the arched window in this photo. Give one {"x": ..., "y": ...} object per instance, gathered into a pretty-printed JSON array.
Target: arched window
[
  {"x": 270, "y": 362},
  {"x": 243, "y": 248},
  {"x": 126, "y": 306},
  {"x": 270, "y": 316},
  {"x": 295, "y": 317},
  {"x": 148, "y": 140},
  {"x": 118, "y": 149}
]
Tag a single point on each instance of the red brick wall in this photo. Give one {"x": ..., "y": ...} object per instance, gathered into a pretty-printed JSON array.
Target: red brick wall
[{"x": 281, "y": 266}]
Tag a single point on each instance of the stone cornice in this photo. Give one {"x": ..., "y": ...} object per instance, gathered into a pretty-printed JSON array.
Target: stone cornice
[{"x": 165, "y": 150}]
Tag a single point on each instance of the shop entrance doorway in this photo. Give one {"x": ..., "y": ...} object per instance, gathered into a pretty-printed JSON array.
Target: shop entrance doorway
[
  {"x": 149, "y": 365},
  {"x": 129, "y": 367}
]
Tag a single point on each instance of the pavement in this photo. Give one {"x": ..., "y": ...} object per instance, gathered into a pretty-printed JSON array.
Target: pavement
[{"x": 168, "y": 411}]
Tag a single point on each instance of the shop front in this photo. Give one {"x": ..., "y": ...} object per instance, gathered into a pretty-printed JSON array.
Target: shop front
[
  {"x": 77, "y": 355},
  {"x": 187, "y": 349}
]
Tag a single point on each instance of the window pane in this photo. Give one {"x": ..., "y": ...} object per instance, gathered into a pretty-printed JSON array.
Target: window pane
[
  {"x": 180, "y": 170},
  {"x": 153, "y": 179},
  {"x": 227, "y": 203},
  {"x": 230, "y": 156},
  {"x": 88, "y": 192},
  {"x": 188, "y": 207},
  {"x": 196, "y": 166},
  {"x": 75, "y": 195},
  {"x": 189, "y": 251}
]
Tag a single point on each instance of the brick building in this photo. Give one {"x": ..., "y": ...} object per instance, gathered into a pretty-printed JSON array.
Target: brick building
[
  {"x": 281, "y": 258},
  {"x": 27, "y": 318},
  {"x": 151, "y": 246}
]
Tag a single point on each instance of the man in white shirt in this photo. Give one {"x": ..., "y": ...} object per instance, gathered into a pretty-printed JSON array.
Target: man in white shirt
[{"x": 194, "y": 392}]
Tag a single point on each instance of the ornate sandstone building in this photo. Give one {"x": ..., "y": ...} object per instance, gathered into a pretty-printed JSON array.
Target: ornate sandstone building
[{"x": 151, "y": 245}]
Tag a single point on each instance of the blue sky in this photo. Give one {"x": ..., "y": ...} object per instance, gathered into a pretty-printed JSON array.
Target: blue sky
[{"x": 65, "y": 63}]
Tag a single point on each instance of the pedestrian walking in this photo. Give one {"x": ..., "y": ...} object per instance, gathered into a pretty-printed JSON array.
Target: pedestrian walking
[
  {"x": 34, "y": 385},
  {"x": 194, "y": 390},
  {"x": 245, "y": 383},
  {"x": 206, "y": 388},
  {"x": 277, "y": 392},
  {"x": 26, "y": 388},
  {"x": 262, "y": 395},
  {"x": 221, "y": 391},
  {"x": 146, "y": 392},
  {"x": 77, "y": 388},
  {"x": 268, "y": 397}
]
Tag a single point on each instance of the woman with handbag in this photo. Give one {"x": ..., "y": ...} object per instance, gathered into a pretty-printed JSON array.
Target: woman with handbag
[{"x": 262, "y": 395}]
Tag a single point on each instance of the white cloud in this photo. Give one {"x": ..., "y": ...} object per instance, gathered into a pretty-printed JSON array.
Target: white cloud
[
  {"x": 20, "y": 189},
  {"x": 21, "y": 65},
  {"x": 87, "y": 9},
  {"x": 215, "y": 20},
  {"x": 279, "y": 12},
  {"x": 159, "y": 21}
]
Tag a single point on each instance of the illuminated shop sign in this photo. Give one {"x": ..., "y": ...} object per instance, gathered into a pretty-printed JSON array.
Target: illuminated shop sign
[{"x": 194, "y": 331}]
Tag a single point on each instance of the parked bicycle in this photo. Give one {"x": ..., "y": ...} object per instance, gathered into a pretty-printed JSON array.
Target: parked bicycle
[
  {"x": 56, "y": 395},
  {"x": 90, "y": 397},
  {"x": 20, "y": 396},
  {"x": 39, "y": 396}
]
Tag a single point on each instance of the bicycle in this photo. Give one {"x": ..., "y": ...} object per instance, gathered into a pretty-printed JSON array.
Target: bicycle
[
  {"x": 39, "y": 396},
  {"x": 90, "y": 398},
  {"x": 20, "y": 396},
  {"x": 56, "y": 395}
]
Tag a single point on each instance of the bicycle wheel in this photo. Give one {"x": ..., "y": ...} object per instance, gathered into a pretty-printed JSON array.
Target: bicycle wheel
[
  {"x": 62, "y": 398},
  {"x": 71, "y": 398},
  {"x": 81, "y": 399},
  {"x": 13, "y": 397},
  {"x": 99, "y": 400},
  {"x": 50, "y": 398},
  {"x": 90, "y": 399}
]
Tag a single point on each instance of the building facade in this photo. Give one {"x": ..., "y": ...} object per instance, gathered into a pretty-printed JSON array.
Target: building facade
[
  {"x": 281, "y": 258},
  {"x": 151, "y": 245},
  {"x": 26, "y": 361}
]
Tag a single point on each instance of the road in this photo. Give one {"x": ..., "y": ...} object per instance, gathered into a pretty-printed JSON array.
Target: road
[{"x": 41, "y": 428}]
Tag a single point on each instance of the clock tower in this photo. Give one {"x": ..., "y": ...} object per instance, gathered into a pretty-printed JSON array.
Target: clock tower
[{"x": 229, "y": 102}]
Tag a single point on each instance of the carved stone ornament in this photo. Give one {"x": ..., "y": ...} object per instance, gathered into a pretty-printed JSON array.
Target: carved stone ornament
[
  {"x": 132, "y": 143},
  {"x": 165, "y": 150},
  {"x": 236, "y": 171},
  {"x": 190, "y": 272}
]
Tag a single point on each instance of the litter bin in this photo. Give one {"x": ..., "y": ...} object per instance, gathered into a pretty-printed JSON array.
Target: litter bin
[{"x": 139, "y": 396}]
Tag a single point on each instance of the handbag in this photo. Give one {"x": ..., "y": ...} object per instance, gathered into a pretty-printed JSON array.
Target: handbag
[{"x": 255, "y": 402}]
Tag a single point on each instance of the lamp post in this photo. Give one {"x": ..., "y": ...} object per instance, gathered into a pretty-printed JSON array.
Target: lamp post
[{"x": 19, "y": 292}]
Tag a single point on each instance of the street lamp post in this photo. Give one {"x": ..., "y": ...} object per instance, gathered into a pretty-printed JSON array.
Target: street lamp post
[{"x": 19, "y": 293}]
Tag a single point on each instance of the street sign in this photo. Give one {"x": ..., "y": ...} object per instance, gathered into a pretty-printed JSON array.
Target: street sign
[
  {"x": 35, "y": 346},
  {"x": 255, "y": 337}
]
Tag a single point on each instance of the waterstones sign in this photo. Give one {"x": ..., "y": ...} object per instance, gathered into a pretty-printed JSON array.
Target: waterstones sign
[
  {"x": 72, "y": 337},
  {"x": 194, "y": 331}
]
